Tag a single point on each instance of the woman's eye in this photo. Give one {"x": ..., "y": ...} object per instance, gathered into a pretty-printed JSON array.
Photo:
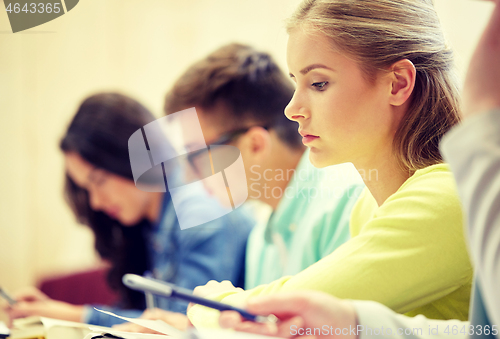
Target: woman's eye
[
  {"x": 320, "y": 85},
  {"x": 100, "y": 181},
  {"x": 97, "y": 177}
]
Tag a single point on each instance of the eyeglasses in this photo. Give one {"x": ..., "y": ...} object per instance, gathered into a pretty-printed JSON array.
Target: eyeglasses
[
  {"x": 200, "y": 159},
  {"x": 97, "y": 177}
]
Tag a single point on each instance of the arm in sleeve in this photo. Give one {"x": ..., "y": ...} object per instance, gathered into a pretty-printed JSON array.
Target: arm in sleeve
[
  {"x": 393, "y": 258},
  {"x": 473, "y": 151},
  {"x": 215, "y": 251},
  {"x": 377, "y": 321}
]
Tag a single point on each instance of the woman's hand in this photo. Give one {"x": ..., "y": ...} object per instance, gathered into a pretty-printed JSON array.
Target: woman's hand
[
  {"x": 30, "y": 294},
  {"x": 32, "y": 302},
  {"x": 297, "y": 312},
  {"x": 213, "y": 287},
  {"x": 177, "y": 320}
]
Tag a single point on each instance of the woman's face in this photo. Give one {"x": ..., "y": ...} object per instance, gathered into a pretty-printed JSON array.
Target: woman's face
[
  {"x": 342, "y": 116},
  {"x": 109, "y": 193}
]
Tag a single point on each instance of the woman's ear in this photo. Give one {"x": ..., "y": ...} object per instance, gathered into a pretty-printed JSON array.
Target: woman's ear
[{"x": 403, "y": 74}]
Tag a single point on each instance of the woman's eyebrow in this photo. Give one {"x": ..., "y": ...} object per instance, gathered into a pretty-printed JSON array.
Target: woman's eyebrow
[{"x": 309, "y": 68}]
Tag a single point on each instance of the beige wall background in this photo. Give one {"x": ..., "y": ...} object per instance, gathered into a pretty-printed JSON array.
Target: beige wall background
[{"x": 133, "y": 46}]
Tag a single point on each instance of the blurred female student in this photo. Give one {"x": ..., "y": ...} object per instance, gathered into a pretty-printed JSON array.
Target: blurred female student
[
  {"x": 375, "y": 86},
  {"x": 135, "y": 231}
]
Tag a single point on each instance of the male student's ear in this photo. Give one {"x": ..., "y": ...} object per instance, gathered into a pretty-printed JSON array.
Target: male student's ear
[{"x": 255, "y": 144}]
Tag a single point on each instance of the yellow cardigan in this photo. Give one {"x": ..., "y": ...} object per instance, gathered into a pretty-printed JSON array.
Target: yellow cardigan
[{"x": 408, "y": 254}]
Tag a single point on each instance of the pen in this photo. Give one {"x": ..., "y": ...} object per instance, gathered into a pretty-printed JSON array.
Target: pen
[
  {"x": 150, "y": 299},
  {"x": 161, "y": 288},
  {"x": 7, "y": 297}
]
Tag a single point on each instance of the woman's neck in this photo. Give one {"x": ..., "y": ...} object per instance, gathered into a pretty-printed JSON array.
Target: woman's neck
[
  {"x": 383, "y": 176},
  {"x": 154, "y": 207}
]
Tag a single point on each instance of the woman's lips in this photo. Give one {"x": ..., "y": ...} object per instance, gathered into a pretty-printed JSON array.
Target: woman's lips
[
  {"x": 113, "y": 212},
  {"x": 307, "y": 138}
]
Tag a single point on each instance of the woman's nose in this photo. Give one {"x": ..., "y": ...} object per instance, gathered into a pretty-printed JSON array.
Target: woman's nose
[
  {"x": 296, "y": 110},
  {"x": 95, "y": 200}
]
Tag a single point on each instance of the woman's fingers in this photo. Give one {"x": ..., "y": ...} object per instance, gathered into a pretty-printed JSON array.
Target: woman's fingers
[
  {"x": 126, "y": 327},
  {"x": 131, "y": 327},
  {"x": 286, "y": 328},
  {"x": 213, "y": 287},
  {"x": 30, "y": 294},
  {"x": 257, "y": 328},
  {"x": 177, "y": 320},
  {"x": 296, "y": 312},
  {"x": 46, "y": 308},
  {"x": 230, "y": 319},
  {"x": 280, "y": 304},
  {"x": 24, "y": 309}
]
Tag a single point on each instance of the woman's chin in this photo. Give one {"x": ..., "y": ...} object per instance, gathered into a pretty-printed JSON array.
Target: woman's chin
[
  {"x": 127, "y": 221},
  {"x": 320, "y": 159}
]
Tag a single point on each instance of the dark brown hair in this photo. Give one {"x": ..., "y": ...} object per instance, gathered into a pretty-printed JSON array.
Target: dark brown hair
[{"x": 248, "y": 83}]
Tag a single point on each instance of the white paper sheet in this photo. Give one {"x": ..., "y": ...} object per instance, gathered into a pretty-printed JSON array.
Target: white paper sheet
[
  {"x": 49, "y": 323},
  {"x": 227, "y": 334},
  {"x": 155, "y": 325},
  {"x": 162, "y": 327}
]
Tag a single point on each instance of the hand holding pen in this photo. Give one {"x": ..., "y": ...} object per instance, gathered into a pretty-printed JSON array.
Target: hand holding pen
[
  {"x": 32, "y": 302},
  {"x": 170, "y": 291},
  {"x": 299, "y": 312}
]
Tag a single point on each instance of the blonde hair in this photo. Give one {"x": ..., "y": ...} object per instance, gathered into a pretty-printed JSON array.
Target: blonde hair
[{"x": 378, "y": 33}]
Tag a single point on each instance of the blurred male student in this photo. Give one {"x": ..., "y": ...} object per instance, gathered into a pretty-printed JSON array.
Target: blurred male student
[{"x": 240, "y": 95}]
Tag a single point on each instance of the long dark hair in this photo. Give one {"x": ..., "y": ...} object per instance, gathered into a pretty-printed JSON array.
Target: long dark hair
[{"x": 99, "y": 133}]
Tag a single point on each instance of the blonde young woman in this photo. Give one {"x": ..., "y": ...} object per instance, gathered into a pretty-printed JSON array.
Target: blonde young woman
[{"x": 375, "y": 87}]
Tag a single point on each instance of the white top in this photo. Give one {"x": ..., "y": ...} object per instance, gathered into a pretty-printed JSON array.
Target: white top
[{"x": 473, "y": 151}]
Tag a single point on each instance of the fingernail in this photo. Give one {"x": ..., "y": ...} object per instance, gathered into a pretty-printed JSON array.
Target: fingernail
[
  {"x": 264, "y": 330},
  {"x": 272, "y": 328}
]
